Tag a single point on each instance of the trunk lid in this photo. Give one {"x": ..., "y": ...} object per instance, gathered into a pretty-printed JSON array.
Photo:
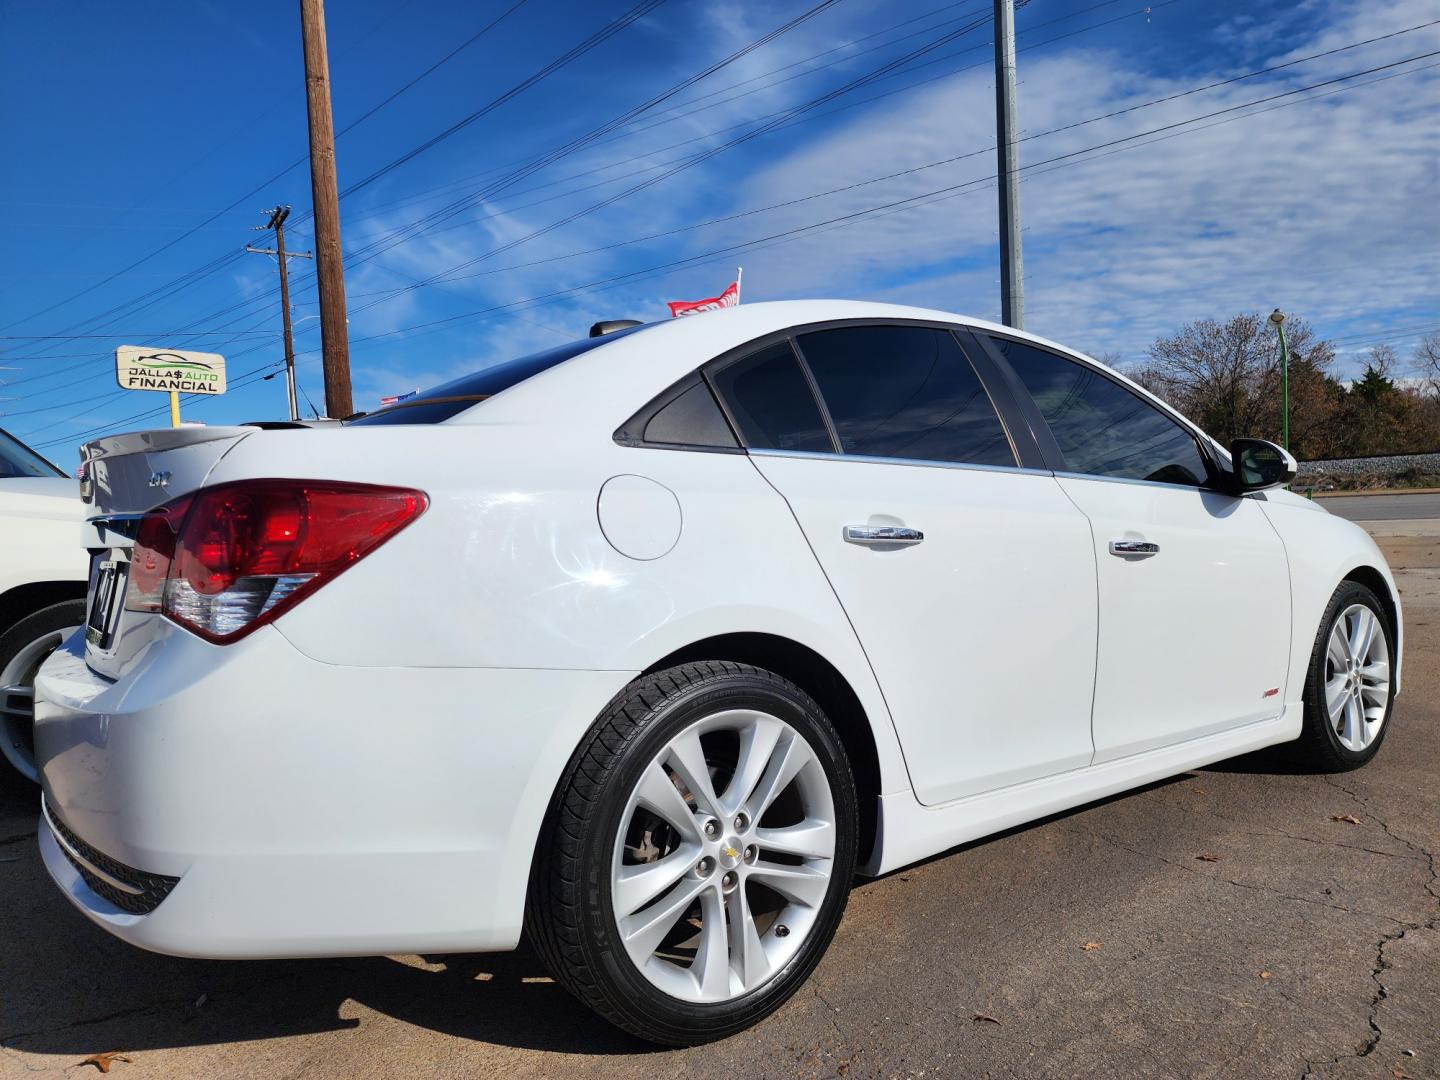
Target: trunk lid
[{"x": 122, "y": 477}]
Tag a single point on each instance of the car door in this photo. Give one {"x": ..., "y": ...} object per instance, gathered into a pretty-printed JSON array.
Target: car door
[
  {"x": 968, "y": 579},
  {"x": 1194, "y": 582}
]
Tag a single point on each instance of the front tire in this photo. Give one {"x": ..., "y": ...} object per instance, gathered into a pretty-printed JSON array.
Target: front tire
[
  {"x": 697, "y": 856},
  {"x": 23, "y": 648},
  {"x": 1350, "y": 686}
]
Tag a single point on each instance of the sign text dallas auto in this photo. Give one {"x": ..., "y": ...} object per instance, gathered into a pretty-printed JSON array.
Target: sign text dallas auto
[{"x": 141, "y": 368}]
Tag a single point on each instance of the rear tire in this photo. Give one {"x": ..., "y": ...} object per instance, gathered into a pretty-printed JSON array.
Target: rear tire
[
  {"x": 23, "y": 648},
  {"x": 654, "y": 897},
  {"x": 1350, "y": 685}
]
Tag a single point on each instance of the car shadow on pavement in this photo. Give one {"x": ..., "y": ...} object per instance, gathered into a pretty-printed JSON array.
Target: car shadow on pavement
[{"x": 70, "y": 988}]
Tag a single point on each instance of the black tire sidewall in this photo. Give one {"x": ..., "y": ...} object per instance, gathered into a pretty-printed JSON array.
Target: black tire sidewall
[
  {"x": 1320, "y": 734},
  {"x": 670, "y": 1019},
  {"x": 36, "y": 625}
]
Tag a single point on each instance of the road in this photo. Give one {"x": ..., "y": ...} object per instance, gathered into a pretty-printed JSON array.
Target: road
[
  {"x": 1384, "y": 507},
  {"x": 1244, "y": 920}
]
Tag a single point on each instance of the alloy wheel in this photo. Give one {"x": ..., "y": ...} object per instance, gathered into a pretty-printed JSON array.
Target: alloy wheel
[
  {"x": 724, "y": 856},
  {"x": 1357, "y": 677}
]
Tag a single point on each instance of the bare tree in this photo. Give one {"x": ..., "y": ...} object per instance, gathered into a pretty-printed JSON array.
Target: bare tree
[
  {"x": 1383, "y": 361},
  {"x": 1226, "y": 377},
  {"x": 1427, "y": 362}
]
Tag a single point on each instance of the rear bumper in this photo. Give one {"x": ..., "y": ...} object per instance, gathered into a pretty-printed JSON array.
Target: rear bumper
[{"x": 306, "y": 809}]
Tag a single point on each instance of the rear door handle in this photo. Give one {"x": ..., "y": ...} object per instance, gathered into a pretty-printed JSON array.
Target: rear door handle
[
  {"x": 882, "y": 534},
  {"x": 1142, "y": 548}
]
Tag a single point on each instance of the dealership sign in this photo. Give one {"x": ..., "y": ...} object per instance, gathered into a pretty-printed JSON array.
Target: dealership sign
[{"x": 140, "y": 368}]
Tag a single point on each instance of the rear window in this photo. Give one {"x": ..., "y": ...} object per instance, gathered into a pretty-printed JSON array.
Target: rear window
[{"x": 449, "y": 399}]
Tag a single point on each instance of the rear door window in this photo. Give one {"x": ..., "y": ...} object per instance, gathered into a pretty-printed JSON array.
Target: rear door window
[
  {"x": 905, "y": 392},
  {"x": 770, "y": 400}
]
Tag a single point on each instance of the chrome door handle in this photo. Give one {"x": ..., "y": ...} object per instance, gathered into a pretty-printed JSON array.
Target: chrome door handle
[
  {"x": 1134, "y": 547},
  {"x": 882, "y": 534}
]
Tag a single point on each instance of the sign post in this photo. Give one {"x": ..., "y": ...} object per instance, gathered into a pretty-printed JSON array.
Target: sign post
[{"x": 171, "y": 371}]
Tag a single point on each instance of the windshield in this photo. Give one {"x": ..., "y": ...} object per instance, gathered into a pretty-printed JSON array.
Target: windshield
[
  {"x": 448, "y": 399},
  {"x": 17, "y": 459}
]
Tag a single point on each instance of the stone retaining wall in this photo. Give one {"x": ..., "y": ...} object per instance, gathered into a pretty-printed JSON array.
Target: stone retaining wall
[{"x": 1390, "y": 465}]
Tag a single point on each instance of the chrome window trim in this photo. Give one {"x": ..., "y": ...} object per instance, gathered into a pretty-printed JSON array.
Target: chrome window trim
[
  {"x": 923, "y": 463},
  {"x": 1204, "y": 488}
]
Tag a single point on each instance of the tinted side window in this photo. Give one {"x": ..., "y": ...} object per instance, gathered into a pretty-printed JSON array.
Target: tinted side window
[
  {"x": 770, "y": 400},
  {"x": 905, "y": 392},
  {"x": 1101, "y": 427},
  {"x": 692, "y": 419}
]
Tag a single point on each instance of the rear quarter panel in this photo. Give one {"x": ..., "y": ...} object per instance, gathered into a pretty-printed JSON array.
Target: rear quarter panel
[{"x": 509, "y": 566}]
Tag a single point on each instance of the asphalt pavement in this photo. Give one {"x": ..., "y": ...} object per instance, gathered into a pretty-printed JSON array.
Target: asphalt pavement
[
  {"x": 1244, "y": 920},
  {"x": 1384, "y": 507}
]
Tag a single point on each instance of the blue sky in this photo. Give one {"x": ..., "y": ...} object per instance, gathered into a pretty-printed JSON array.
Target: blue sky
[{"x": 126, "y": 127}]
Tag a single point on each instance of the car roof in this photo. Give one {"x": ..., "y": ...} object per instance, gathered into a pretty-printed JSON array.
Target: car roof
[{"x": 599, "y": 388}]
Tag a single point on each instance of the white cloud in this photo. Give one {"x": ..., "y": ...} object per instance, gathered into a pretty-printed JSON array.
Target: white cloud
[{"x": 1328, "y": 208}]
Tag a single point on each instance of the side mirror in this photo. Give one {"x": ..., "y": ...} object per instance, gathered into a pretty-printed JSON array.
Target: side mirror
[{"x": 1258, "y": 465}]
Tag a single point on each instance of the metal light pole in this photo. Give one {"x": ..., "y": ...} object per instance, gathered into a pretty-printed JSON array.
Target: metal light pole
[
  {"x": 1012, "y": 271},
  {"x": 1277, "y": 317}
]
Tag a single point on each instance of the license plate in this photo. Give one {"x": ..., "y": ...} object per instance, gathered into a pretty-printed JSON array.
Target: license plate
[{"x": 106, "y": 595}]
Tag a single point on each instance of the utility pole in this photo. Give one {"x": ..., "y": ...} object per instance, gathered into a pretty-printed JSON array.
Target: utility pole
[
  {"x": 1012, "y": 268},
  {"x": 277, "y": 223},
  {"x": 329, "y": 270}
]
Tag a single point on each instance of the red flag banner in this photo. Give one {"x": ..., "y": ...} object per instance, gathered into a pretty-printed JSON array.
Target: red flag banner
[{"x": 729, "y": 298}]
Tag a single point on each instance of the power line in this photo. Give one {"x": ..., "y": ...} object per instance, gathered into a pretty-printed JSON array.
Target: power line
[
  {"x": 889, "y": 207},
  {"x": 294, "y": 164},
  {"x": 159, "y": 294}
]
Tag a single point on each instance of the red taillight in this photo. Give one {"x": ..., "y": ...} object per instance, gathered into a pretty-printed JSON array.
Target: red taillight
[{"x": 239, "y": 554}]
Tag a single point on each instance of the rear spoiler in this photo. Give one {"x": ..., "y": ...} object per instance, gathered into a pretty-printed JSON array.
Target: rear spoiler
[{"x": 136, "y": 442}]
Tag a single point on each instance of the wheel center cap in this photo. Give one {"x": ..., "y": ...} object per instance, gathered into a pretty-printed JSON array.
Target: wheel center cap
[{"x": 731, "y": 852}]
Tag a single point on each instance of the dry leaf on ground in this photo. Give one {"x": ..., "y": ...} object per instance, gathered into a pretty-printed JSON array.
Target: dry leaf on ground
[
  {"x": 1350, "y": 818},
  {"x": 1090, "y": 946},
  {"x": 1208, "y": 856},
  {"x": 1264, "y": 974},
  {"x": 102, "y": 1061},
  {"x": 981, "y": 1018}
]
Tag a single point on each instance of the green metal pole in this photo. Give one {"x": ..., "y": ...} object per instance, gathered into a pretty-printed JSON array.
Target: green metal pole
[{"x": 1284, "y": 388}]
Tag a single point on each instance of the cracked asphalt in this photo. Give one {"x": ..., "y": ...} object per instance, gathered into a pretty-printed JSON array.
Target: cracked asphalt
[{"x": 1232, "y": 922}]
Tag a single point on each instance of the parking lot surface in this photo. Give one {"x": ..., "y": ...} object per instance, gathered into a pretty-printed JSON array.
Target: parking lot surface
[{"x": 1244, "y": 920}]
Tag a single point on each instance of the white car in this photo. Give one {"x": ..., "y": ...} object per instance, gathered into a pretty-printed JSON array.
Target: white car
[
  {"x": 42, "y": 586},
  {"x": 647, "y": 644}
]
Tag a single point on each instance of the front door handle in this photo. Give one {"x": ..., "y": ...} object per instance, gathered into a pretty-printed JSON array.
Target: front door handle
[
  {"x": 882, "y": 534},
  {"x": 1143, "y": 548}
]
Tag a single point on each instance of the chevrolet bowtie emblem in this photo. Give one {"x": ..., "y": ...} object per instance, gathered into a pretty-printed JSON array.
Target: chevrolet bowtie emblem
[{"x": 731, "y": 853}]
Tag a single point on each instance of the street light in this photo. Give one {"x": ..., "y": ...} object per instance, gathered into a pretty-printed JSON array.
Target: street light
[{"x": 1277, "y": 318}]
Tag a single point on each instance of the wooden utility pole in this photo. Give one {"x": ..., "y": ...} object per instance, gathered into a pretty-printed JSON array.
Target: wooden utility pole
[
  {"x": 1012, "y": 267},
  {"x": 277, "y": 223},
  {"x": 329, "y": 270}
]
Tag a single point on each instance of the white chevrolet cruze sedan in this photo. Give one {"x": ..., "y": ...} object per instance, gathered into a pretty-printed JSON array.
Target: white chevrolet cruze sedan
[{"x": 648, "y": 644}]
